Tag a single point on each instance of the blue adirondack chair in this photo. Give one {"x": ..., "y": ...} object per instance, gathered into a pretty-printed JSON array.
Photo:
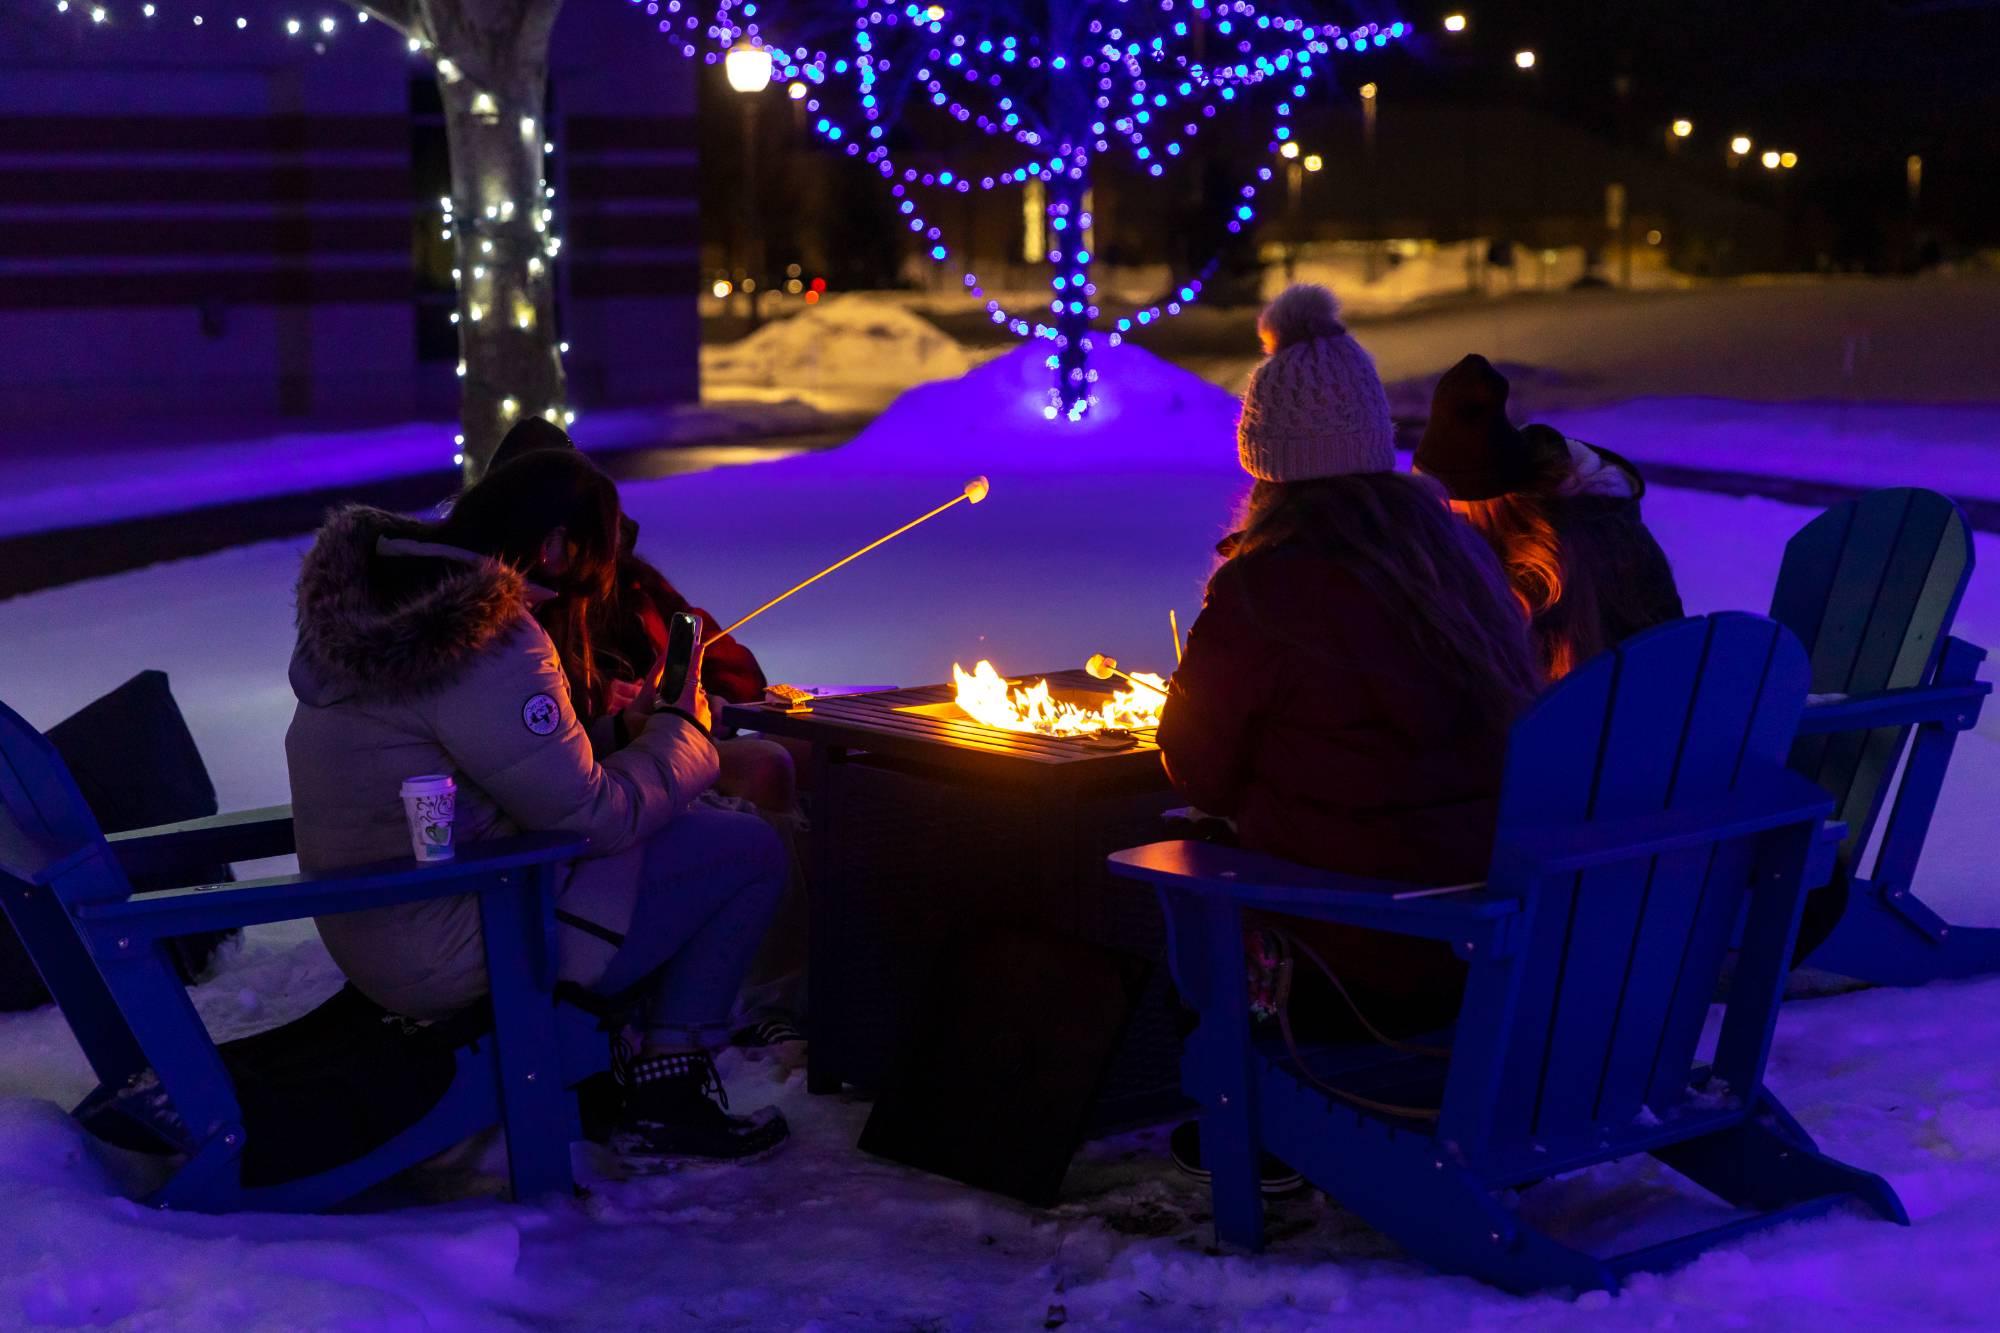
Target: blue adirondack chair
[
  {"x": 99, "y": 948},
  {"x": 1645, "y": 802},
  {"x": 1871, "y": 587}
]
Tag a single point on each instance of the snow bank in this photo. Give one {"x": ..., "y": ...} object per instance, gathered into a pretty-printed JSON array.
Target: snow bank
[
  {"x": 1088, "y": 537},
  {"x": 842, "y": 346},
  {"x": 1401, "y": 274}
]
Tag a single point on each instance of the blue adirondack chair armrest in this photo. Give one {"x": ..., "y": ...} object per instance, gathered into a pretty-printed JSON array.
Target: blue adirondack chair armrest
[
  {"x": 242, "y": 835},
  {"x": 1780, "y": 798},
  {"x": 203, "y": 907},
  {"x": 1955, "y": 705},
  {"x": 1254, "y": 880}
]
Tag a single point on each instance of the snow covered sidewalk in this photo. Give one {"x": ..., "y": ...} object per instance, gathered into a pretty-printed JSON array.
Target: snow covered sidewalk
[
  {"x": 1088, "y": 538},
  {"x": 62, "y": 483}
]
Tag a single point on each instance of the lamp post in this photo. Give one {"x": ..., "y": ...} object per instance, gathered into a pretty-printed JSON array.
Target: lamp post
[
  {"x": 748, "y": 69},
  {"x": 1295, "y": 179},
  {"x": 1370, "y": 106}
]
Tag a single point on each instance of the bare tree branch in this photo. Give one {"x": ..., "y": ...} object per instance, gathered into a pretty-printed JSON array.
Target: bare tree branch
[{"x": 402, "y": 15}]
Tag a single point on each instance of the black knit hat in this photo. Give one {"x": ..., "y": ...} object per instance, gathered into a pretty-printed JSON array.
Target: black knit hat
[
  {"x": 527, "y": 436},
  {"x": 1469, "y": 446},
  {"x": 532, "y": 435}
]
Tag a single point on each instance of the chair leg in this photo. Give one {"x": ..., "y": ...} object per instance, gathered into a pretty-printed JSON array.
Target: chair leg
[
  {"x": 1890, "y": 938},
  {"x": 1231, "y": 1149},
  {"x": 536, "y": 1110},
  {"x": 1759, "y": 1164},
  {"x": 1887, "y": 935},
  {"x": 1231, "y": 1137}
]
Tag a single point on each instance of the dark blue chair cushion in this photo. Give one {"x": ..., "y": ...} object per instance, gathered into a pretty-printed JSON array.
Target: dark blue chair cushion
[{"x": 136, "y": 764}]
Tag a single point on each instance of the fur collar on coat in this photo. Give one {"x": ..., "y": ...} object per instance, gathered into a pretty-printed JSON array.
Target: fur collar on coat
[{"x": 351, "y": 645}]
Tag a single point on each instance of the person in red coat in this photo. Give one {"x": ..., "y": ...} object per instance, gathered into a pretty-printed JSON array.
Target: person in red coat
[
  {"x": 1562, "y": 515},
  {"x": 1347, "y": 690}
]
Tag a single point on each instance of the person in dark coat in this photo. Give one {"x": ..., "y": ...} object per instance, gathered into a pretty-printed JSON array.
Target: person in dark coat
[
  {"x": 1347, "y": 690},
  {"x": 1562, "y": 515}
]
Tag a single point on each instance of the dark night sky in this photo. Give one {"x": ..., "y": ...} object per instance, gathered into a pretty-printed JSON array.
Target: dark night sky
[{"x": 1853, "y": 86}]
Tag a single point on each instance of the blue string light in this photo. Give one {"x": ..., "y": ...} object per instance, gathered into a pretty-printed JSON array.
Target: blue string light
[{"x": 1120, "y": 76}]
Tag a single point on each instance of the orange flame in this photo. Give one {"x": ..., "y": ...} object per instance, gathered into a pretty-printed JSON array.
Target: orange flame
[{"x": 985, "y": 696}]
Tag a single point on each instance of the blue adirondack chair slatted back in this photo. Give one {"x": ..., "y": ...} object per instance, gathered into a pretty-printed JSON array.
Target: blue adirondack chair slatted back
[
  {"x": 1622, "y": 961},
  {"x": 1869, "y": 587},
  {"x": 43, "y": 819}
]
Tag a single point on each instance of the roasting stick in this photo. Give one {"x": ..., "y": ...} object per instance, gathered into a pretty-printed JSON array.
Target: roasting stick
[
  {"x": 1101, "y": 667},
  {"x": 1174, "y": 624},
  {"x": 975, "y": 491}
]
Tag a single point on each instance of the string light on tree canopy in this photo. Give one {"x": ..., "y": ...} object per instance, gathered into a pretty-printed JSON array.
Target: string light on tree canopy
[{"x": 1065, "y": 84}]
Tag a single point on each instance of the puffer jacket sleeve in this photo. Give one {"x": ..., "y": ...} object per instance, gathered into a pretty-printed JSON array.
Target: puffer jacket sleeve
[
  {"x": 1226, "y": 679},
  {"x": 509, "y": 725}
]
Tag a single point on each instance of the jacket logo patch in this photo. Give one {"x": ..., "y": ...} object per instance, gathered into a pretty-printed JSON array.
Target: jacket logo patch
[{"x": 541, "y": 714}]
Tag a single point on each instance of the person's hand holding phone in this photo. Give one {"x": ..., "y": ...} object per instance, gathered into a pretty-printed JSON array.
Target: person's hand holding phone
[{"x": 694, "y": 698}]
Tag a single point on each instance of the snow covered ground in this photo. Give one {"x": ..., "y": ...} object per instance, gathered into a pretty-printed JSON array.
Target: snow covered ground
[
  {"x": 46, "y": 484},
  {"x": 1858, "y": 444},
  {"x": 1088, "y": 537}
]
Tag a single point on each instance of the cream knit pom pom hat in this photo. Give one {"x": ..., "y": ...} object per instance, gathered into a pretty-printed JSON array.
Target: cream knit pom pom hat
[{"x": 1315, "y": 407}]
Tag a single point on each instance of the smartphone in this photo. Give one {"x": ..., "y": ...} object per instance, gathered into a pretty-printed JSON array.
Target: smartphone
[{"x": 683, "y": 634}]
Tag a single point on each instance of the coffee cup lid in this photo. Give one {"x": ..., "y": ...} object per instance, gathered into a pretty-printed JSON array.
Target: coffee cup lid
[{"x": 428, "y": 784}]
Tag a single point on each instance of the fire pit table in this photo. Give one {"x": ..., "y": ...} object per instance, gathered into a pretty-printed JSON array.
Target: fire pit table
[{"x": 927, "y": 824}]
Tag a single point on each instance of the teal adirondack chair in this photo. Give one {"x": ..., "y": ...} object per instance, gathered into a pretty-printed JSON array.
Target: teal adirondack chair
[
  {"x": 1646, "y": 802},
  {"x": 100, "y": 950},
  {"x": 1871, "y": 588}
]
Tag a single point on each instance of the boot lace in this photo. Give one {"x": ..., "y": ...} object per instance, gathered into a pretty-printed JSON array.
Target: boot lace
[{"x": 631, "y": 1069}]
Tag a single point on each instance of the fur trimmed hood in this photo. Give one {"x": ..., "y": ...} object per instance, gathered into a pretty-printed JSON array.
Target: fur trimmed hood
[{"x": 350, "y": 645}]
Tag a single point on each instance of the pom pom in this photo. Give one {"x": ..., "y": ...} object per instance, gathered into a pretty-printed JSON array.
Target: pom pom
[{"x": 1304, "y": 311}]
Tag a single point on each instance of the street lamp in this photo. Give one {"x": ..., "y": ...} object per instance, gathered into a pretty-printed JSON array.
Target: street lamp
[
  {"x": 1454, "y": 23},
  {"x": 1788, "y": 160},
  {"x": 748, "y": 69},
  {"x": 1771, "y": 159},
  {"x": 1683, "y": 128},
  {"x": 1740, "y": 145},
  {"x": 1524, "y": 59}
]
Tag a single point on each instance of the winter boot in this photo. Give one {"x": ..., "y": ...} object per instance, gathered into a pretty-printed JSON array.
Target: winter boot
[
  {"x": 772, "y": 1030},
  {"x": 1275, "y": 1179},
  {"x": 676, "y": 1109}
]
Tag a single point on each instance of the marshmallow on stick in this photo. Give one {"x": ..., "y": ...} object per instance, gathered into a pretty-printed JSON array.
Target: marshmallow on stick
[{"x": 1101, "y": 667}]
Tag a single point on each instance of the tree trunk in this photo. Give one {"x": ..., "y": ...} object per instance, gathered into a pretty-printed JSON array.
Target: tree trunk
[{"x": 492, "y": 60}]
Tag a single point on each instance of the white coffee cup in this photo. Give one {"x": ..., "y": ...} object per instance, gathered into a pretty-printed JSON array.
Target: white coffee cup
[{"x": 429, "y": 802}]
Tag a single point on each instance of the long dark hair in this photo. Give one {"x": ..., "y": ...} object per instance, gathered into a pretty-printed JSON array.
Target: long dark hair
[
  {"x": 1551, "y": 547},
  {"x": 1394, "y": 534},
  {"x": 510, "y": 512}
]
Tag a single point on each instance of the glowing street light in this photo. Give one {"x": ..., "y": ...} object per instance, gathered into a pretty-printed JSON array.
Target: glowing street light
[
  {"x": 1454, "y": 23},
  {"x": 1314, "y": 162},
  {"x": 1740, "y": 145},
  {"x": 1290, "y": 150},
  {"x": 1368, "y": 91},
  {"x": 748, "y": 68},
  {"x": 1683, "y": 128},
  {"x": 1771, "y": 159},
  {"x": 1788, "y": 160},
  {"x": 1524, "y": 59}
]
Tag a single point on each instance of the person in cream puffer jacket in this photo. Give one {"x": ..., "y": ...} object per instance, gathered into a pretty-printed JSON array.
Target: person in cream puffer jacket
[{"x": 419, "y": 652}]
